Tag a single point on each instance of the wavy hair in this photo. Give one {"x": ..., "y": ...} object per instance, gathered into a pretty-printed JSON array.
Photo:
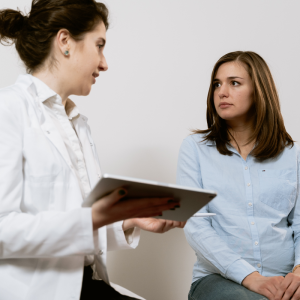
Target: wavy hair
[{"x": 269, "y": 131}]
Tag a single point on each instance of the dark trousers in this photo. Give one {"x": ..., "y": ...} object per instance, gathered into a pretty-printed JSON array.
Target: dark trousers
[
  {"x": 216, "y": 287},
  {"x": 98, "y": 289}
]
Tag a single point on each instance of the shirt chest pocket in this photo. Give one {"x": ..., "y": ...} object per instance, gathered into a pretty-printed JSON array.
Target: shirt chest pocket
[
  {"x": 278, "y": 189},
  {"x": 42, "y": 162}
]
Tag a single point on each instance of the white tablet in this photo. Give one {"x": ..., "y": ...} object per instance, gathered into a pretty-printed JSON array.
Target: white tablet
[{"x": 191, "y": 199}]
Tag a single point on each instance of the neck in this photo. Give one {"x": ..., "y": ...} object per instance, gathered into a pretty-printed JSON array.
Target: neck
[
  {"x": 55, "y": 82},
  {"x": 241, "y": 131}
]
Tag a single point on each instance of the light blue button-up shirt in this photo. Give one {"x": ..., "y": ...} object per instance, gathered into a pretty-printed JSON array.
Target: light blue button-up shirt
[{"x": 257, "y": 222}]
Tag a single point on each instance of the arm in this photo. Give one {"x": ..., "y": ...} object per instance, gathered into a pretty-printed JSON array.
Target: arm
[
  {"x": 47, "y": 234},
  {"x": 289, "y": 288},
  {"x": 199, "y": 231}
]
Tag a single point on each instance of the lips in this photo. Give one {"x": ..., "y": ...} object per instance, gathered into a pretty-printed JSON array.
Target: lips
[
  {"x": 224, "y": 104},
  {"x": 95, "y": 75}
]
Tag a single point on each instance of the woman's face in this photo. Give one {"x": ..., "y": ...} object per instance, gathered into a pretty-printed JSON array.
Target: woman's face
[
  {"x": 233, "y": 92},
  {"x": 87, "y": 60}
]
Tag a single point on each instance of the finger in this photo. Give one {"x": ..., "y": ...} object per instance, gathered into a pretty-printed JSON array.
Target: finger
[
  {"x": 282, "y": 288},
  {"x": 290, "y": 291},
  {"x": 116, "y": 195},
  {"x": 296, "y": 296},
  {"x": 157, "y": 201},
  {"x": 268, "y": 295},
  {"x": 137, "y": 208}
]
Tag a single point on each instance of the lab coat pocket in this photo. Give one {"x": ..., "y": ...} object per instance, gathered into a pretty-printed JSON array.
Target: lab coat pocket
[
  {"x": 42, "y": 162},
  {"x": 278, "y": 189}
]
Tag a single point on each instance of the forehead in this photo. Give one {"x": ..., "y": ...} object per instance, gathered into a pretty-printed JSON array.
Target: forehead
[
  {"x": 231, "y": 69},
  {"x": 98, "y": 32}
]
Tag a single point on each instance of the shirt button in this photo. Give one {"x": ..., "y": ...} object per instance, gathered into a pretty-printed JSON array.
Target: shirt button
[
  {"x": 250, "y": 204},
  {"x": 100, "y": 252},
  {"x": 48, "y": 132},
  {"x": 246, "y": 168},
  {"x": 252, "y": 223},
  {"x": 256, "y": 243},
  {"x": 248, "y": 184},
  {"x": 259, "y": 265}
]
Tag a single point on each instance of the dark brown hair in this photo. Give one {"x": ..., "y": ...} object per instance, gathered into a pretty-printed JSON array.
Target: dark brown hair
[
  {"x": 33, "y": 34},
  {"x": 269, "y": 131}
]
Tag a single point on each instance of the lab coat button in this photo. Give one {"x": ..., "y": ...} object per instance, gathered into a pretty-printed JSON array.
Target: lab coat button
[{"x": 100, "y": 252}]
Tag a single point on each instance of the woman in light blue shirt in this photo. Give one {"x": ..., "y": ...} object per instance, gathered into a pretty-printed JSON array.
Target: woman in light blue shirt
[{"x": 250, "y": 249}]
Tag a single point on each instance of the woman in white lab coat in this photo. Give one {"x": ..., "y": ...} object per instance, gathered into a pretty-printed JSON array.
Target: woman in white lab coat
[{"x": 49, "y": 163}]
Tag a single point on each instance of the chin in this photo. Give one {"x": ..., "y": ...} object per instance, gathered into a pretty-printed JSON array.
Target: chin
[{"x": 85, "y": 91}]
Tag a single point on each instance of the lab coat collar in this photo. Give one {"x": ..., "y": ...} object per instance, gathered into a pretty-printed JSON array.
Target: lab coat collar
[{"x": 44, "y": 92}]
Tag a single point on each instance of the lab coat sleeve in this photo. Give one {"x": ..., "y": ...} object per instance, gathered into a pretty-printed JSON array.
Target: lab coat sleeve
[
  {"x": 118, "y": 240},
  {"x": 23, "y": 235}
]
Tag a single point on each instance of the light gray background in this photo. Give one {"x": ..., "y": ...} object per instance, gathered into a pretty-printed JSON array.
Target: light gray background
[{"x": 160, "y": 56}]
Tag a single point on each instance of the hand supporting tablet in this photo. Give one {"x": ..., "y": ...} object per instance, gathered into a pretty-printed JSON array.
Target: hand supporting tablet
[
  {"x": 154, "y": 195},
  {"x": 112, "y": 208}
]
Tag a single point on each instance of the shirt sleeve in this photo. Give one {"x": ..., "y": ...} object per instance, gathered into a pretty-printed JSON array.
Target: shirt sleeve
[
  {"x": 294, "y": 219},
  {"x": 24, "y": 235},
  {"x": 199, "y": 232},
  {"x": 117, "y": 239}
]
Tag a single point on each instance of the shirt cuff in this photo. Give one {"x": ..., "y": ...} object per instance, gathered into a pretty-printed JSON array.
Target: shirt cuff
[
  {"x": 239, "y": 270},
  {"x": 116, "y": 239}
]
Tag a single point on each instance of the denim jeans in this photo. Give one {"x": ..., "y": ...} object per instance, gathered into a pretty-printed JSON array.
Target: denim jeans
[{"x": 216, "y": 287}]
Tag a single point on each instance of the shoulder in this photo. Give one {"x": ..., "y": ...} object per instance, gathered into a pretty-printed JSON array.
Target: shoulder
[
  {"x": 12, "y": 97},
  {"x": 196, "y": 141},
  {"x": 13, "y": 105}
]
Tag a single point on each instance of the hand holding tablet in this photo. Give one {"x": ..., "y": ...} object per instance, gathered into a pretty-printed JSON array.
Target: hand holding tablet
[{"x": 191, "y": 199}]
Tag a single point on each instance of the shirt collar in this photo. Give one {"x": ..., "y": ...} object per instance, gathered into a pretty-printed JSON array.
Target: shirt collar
[
  {"x": 44, "y": 92},
  {"x": 71, "y": 109},
  {"x": 210, "y": 143}
]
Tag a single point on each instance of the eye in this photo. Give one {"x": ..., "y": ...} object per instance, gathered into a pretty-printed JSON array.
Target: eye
[
  {"x": 235, "y": 83},
  {"x": 216, "y": 85},
  {"x": 100, "y": 46}
]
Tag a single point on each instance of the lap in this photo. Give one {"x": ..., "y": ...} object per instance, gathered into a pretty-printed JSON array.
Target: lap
[
  {"x": 216, "y": 287},
  {"x": 98, "y": 289}
]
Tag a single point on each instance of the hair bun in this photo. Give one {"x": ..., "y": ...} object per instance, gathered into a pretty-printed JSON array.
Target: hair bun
[{"x": 11, "y": 24}]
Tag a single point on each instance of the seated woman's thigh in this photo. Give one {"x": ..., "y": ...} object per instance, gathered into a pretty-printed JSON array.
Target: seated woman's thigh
[{"x": 215, "y": 287}]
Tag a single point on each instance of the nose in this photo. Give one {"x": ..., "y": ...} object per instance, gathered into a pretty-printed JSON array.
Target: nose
[
  {"x": 223, "y": 91},
  {"x": 103, "y": 64}
]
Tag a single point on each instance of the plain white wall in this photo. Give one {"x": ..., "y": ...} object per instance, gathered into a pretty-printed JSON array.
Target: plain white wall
[{"x": 160, "y": 56}]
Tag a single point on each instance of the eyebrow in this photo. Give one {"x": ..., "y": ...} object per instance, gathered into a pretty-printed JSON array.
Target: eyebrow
[{"x": 231, "y": 77}]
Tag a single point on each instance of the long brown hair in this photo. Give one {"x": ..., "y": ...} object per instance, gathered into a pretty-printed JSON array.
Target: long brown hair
[
  {"x": 33, "y": 33},
  {"x": 269, "y": 131}
]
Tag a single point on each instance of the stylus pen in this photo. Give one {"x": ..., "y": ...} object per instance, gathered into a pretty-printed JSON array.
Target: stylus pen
[{"x": 204, "y": 215}]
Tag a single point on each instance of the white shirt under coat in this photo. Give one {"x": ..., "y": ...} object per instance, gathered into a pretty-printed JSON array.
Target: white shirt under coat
[{"x": 45, "y": 232}]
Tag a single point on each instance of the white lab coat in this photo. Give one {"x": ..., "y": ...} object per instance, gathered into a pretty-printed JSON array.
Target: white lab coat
[{"x": 44, "y": 231}]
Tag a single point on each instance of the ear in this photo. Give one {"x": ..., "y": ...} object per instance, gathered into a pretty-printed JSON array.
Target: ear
[{"x": 63, "y": 40}]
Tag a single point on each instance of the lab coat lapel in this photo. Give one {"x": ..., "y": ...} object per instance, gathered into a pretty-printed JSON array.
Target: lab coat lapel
[{"x": 46, "y": 124}]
